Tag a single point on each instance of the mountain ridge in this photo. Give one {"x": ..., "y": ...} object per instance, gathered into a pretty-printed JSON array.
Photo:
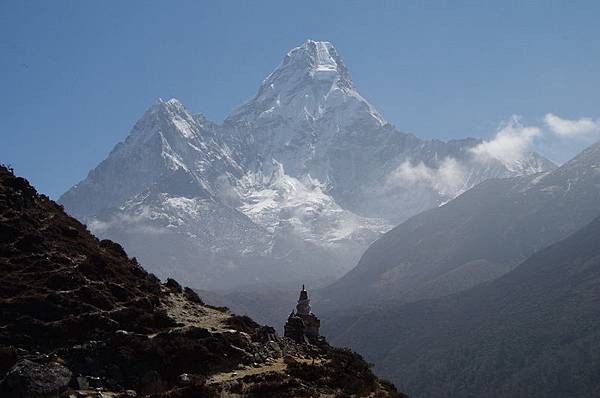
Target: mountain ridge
[
  {"x": 478, "y": 236},
  {"x": 531, "y": 332},
  {"x": 307, "y": 165}
]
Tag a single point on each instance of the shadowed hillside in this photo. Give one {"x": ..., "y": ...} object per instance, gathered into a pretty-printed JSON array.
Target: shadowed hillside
[
  {"x": 534, "y": 332},
  {"x": 479, "y": 236},
  {"x": 78, "y": 315}
]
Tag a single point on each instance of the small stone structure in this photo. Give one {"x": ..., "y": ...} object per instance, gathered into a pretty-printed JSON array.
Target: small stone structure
[{"x": 302, "y": 325}]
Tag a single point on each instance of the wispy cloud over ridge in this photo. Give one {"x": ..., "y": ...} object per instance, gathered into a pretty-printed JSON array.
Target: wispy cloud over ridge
[
  {"x": 448, "y": 178},
  {"x": 580, "y": 128},
  {"x": 510, "y": 144},
  {"x": 558, "y": 138}
]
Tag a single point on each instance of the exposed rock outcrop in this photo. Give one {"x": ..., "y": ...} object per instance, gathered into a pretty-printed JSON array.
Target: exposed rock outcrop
[{"x": 27, "y": 378}]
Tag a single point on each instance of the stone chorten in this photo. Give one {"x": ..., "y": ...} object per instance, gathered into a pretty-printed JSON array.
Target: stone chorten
[{"x": 302, "y": 325}]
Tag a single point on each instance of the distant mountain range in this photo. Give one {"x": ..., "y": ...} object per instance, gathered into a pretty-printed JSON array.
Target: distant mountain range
[
  {"x": 476, "y": 237},
  {"x": 494, "y": 294},
  {"x": 293, "y": 186},
  {"x": 534, "y": 332}
]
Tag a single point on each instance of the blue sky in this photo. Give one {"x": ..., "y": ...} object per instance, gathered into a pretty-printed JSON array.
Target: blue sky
[{"x": 76, "y": 75}]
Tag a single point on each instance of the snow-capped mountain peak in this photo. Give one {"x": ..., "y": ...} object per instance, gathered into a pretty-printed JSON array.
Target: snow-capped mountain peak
[
  {"x": 301, "y": 112},
  {"x": 311, "y": 81},
  {"x": 316, "y": 57},
  {"x": 160, "y": 117},
  {"x": 305, "y": 168}
]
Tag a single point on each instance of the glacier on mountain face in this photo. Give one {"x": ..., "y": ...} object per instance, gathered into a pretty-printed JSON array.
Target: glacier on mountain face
[{"x": 294, "y": 185}]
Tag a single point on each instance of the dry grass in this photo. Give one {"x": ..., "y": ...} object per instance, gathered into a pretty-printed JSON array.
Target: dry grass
[{"x": 276, "y": 366}]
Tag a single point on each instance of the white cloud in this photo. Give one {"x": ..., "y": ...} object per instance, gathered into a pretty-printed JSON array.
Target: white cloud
[
  {"x": 510, "y": 143},
  {"x": 132, "y": 223},
  {"x": 582, "y": 128},
  {"x": 448, "y": 178},
  {"x": 560, "y": 140}
]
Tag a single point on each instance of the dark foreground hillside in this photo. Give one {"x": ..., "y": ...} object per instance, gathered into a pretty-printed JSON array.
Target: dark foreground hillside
[
  {"x": 79, "y": 318},
  {"x": 534, "y": 332}
]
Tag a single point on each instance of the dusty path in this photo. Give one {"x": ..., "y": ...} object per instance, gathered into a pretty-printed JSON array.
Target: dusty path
[
  {"x": 277, "y": 366},
  {"x": 181, "y": 310}
]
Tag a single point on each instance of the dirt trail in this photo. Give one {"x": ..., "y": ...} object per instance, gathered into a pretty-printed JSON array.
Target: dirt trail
[
  {"x": 184, "y": 312},
  {"x": 277, "y": 366}
]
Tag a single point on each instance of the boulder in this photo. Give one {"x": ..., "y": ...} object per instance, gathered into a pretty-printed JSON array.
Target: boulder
[
  {"x": 28, "y": 379},
  {"x": 82, "y": 383},
  {"x": 173, "y": 285},
  {"x": 192, "y": 296},
  {"x": 289, "y": 360},
  {"x": 183, "y": 378}
]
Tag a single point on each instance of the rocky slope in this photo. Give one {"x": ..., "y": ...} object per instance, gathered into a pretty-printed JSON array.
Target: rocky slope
[
  {"x": 478, "y": 236},
  {"x": 81, "y": 318},
  {"x": 294, "y": 185},
  {"x": 531, "y": 333}
]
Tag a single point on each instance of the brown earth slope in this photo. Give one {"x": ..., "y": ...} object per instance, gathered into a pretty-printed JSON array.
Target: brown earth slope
[{"x": 80, "y": 318}]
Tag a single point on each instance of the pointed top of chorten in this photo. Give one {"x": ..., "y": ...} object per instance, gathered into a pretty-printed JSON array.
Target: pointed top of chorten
[{"x": 303, "y": 306}]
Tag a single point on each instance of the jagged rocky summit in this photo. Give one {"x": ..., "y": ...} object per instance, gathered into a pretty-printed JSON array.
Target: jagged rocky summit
[
  {"x": 293, "y": 185},
  {"x": 80, "y": 318}
]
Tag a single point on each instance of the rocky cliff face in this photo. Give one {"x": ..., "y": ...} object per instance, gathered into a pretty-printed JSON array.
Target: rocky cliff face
[
  {"x": 294, "y": 185},
  {"x": 80, "y": 317}
]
